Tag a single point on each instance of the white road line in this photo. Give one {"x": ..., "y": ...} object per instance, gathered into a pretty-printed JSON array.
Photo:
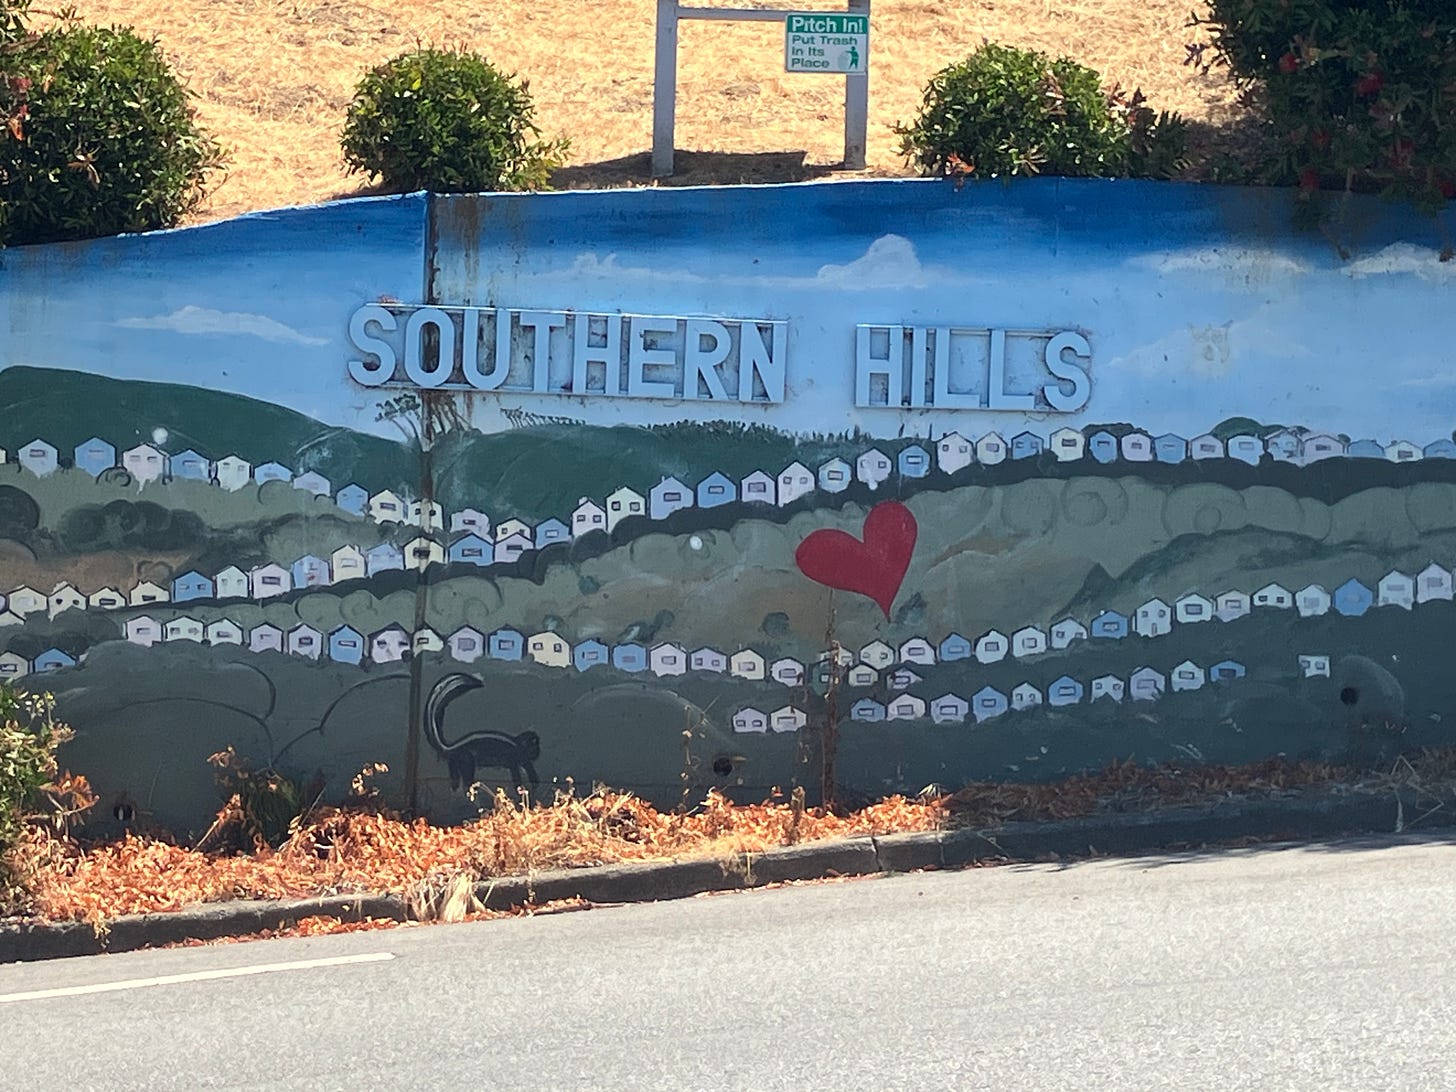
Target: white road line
[{"x": 195, "y": 976}]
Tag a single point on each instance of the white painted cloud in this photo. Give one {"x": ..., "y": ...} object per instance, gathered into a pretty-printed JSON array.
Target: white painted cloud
[
  {"x": 1202, "y": 351},
  {"x": 890, "y": 262},
  {"x": 205, "y": 320},
  {"x": 1446, "y": 380},
  {"x": 1251, "y": 265},
  {"x": 1422, "y": 261},
  {"x": 1217, "y": 350}
]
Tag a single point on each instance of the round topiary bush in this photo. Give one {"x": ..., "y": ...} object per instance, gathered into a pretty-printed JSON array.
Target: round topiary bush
[
  {"x": 447, "y": 121},
  {"x": 1005, "y": 111},
  {"x": 97, "y": 136}
]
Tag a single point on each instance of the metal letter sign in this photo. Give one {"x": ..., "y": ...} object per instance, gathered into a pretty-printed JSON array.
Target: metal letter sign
[{"x": 827, "y": 42}]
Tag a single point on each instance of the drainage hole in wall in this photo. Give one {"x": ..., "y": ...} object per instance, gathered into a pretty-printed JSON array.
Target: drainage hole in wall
[
  {"x": 722, "y": 765},
  {"x": 1350, "y": 695}
]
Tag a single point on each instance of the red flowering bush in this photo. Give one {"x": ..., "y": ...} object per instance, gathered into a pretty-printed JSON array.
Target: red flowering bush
[{"x": 1361, "y": 94}]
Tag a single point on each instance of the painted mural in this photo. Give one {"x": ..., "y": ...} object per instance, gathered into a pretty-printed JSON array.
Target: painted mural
[{"x": 652, "y": 488}]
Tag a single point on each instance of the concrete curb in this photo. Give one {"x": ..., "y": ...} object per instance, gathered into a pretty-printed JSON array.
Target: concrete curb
[{"x": 1285, "y": 820}]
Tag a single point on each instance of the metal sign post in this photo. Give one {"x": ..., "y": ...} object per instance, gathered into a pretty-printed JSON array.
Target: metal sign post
[{"x": 814, "y": 41}]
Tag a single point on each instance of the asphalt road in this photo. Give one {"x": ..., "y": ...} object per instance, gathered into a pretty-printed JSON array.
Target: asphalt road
[{"x": 1318, "y": 968}]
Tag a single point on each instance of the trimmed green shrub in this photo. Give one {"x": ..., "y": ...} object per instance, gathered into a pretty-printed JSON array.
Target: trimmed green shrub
[
  {"x": 447, "y": 121},
  {"x": 1005, "y": 111},
  {"x": 98, "y": 137},
  {"x": 1359, "y": 94}
]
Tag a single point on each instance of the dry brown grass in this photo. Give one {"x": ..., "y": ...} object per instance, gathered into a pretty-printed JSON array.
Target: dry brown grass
[
  {"x": 273, "y": 78},
  {"x": 361, "y": 850}
]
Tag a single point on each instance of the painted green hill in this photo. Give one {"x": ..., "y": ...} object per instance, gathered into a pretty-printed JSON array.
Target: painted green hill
[{"x": 65, "y": 408}]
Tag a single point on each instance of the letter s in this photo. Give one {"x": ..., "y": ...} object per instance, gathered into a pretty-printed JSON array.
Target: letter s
[
  {"x": 1074, "y": 374},
  {"x": 362, "y": 371}
]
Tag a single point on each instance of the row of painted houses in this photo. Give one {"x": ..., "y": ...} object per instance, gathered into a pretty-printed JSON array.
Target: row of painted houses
[
  {"x": 1144, "y": 684},
  {"x": 952, "y": 452},
  {"x": 860, "y": 668}
]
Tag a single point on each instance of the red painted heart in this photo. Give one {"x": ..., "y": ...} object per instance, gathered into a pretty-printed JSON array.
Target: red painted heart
[{"x": 875, "y": 566}]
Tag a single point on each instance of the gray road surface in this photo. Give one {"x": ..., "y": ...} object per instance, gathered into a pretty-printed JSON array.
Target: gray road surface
[{"x": 1318, "y": 968}]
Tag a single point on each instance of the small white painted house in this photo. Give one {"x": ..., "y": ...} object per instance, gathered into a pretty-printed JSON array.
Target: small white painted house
[
  {"x": 142, "y": 630},
  {"x": 303, "y": 640},
  {"x": 265, "y": 638},
  {"x": 1025, "y": 696},
  {"x": 787, "y": 719},
  {"x": 1066, "y": 631},
  {"x": 426, "y": 518},
  {"x": 143, "y": 594},
  {"x": 834, "y": 476},
  {"x": 231, "y": 583},
  {"x": 747, "y": 664},
  {"x": 184, "y": 629},
  {"x": 1396, "y": 590},
  {"x": 386, "y": 506},
  {"x": 106, "y": 599},
  {"x": 788, "y": 671},
  {"x": 668, "y": 659},
  {"x": 949, "y": 709},
  {"x": 622, "y": 504},
  {"x": 25, "y": 600},
  {"x": 144, "y": 463},
  {"x": 1274, "y": 595},
  {"x": 1433, "y": 582},
  {"x": 1153, "y": 619},
  {"x": 862, "y": 675},
  {"x": 1108, "y": 686},
  {"x": 877, "y": 654},
  {"x": 1188, "y": 676},
  {"x": 65, "y": 597},
  {"x": 1067, "y": 444},
  {"x": 905, "y": 707},
  {"x": 233, "y": 473},
  {"x": 917, "y": 650},
  {"x": 668, "y": 496},
  {"x": 587, "y": 516},
  {"x": 223, "y": 631},
  {"x": 1193, "y": 608},
  {"x": 757, "y": 488},
  {"x": 1314, "y": 667},
  {"x": 549, "y": 649},
  {"x": 466, "y": 644},
  {"x": 267, "y": 581},
  {"x": 1231, "y": 605},
  {"x": 795, "y": 481},
  {"x": 1207, "y": 446},
  {"x": 1311, "y": 601},
  {"x": 472, "y": 521},
  {"x": 873, "y": 467},
  {"x": 750, "y": 720},
  {"x": 991, "y": 449},
  {"x": 707, "y": 659},
  {"x": 953, "y": 452},
  {"x": 1146, "y": 684},
  {"x": 1028, "y": 641},
  {"x": 991, "y": 647},
  {"x": 347, "y": 563}
]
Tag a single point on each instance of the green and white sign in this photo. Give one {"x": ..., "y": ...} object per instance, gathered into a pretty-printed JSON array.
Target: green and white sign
[{"x": 822, "y": 41}]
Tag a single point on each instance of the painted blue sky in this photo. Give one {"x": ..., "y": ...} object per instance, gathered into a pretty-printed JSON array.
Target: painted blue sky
[{"x": 1200, "y": 303}]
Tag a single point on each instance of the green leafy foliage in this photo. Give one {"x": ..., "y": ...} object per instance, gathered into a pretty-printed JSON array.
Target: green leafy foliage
[
  {"x": 447, "y": 121},
  {"x": 1359, "y": 94},
  {"x": 1005, "y": 111},
  {"x": 32, "y": 789},
  {"x": 99, "y": 137}
]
